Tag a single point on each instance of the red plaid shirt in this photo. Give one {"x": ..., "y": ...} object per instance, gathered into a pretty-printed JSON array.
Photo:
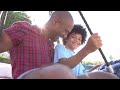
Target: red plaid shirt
[{"x": 30, "y": 48}]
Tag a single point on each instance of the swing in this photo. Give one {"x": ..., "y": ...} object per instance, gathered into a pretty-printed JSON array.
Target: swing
[{"x": 3, "y": 15}]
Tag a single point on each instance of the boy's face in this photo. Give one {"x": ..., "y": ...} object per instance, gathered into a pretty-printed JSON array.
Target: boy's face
[{"x": 74, "y": 41}]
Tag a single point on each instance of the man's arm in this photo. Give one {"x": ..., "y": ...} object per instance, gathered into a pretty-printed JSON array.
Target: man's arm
[
  {"x": 92, "y": 45},
  {"x": 5, "y": 42},
  {"x": 13, "y": 35}
]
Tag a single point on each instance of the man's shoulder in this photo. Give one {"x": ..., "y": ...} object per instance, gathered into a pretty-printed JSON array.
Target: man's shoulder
[
  {"x": 24, "y": 23},
  {"x": 19, "y": 25}
]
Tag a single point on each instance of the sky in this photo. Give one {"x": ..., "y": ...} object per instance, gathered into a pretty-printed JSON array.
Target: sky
[{"x": 105, "y": 23}]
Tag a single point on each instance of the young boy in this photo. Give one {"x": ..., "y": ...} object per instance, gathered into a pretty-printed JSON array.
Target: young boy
[{"x": 74, "y": 39}]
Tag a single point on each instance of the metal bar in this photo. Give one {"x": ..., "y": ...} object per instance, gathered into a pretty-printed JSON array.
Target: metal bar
[{"x": 100, "y": 50}]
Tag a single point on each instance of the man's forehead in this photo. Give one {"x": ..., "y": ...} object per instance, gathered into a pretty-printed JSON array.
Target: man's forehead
[{"x": 69, "y": 22}]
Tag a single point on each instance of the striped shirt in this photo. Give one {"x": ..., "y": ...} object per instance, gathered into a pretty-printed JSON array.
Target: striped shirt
[{"x": 30, "y": 48}]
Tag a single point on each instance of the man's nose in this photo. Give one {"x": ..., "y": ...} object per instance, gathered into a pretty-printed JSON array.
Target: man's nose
[{"x": 65, "y": 35}]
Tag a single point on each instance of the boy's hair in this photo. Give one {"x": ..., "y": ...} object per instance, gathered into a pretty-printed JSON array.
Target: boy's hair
[{"x": 80, "y": 30}]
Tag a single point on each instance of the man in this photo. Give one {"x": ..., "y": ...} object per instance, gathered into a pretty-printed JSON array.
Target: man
[{"x": 32, "y": 47}]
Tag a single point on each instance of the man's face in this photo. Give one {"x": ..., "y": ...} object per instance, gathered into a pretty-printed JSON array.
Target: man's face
[
  {"x": 61, "y": 28},
  {"x": 64, "y": 28}
]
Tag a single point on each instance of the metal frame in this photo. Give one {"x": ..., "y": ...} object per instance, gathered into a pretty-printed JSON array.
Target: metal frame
[{"x": 110, "y": 69}]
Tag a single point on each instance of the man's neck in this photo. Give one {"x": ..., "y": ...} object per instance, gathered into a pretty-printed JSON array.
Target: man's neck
[
  {"x": 44, "y": 32},
  {"x": 48, "y": 32}
]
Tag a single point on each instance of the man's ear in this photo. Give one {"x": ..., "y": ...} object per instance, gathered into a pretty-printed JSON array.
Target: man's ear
[{"x": 56, "y": 20}]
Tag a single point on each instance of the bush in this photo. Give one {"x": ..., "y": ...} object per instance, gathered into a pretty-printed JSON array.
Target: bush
[
  {"x": 93, "y": 62},
  {"x": 4, "y": 60}
]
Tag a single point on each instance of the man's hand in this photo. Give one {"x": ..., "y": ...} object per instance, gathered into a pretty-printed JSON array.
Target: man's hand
[{"x": 94, "y": 43}]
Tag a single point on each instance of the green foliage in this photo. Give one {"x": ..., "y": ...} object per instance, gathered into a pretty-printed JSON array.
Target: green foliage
[
  {"x": 111, "y": 57},
  {"x": 16, "y": 16},
  {"x": 93, "y": 62},
  {"x": 50, "y": 13},
  {"x": 4, "y": 60}
]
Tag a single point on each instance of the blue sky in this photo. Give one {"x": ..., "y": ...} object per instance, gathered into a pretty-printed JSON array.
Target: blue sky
[{"x": 106, "y": 23}]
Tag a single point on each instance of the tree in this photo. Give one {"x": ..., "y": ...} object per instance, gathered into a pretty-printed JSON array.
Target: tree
[
  {"x": 50, "y": 13},
  {"x": 13, "y": 16},
  {"x": 3, "y": 15}
]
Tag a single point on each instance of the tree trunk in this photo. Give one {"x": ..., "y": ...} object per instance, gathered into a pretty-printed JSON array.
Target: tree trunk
[
  {"x": 2, "y": 20},
  {"x": 50, "y": 13}
]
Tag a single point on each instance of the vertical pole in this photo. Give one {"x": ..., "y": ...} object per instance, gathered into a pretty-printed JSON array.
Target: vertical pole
[{"x": 110, "y": 69}]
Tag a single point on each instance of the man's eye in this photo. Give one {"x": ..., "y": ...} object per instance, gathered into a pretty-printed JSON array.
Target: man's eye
[
  {"x": 67, "y": 31},
  {"x": 73, "y": 37}
]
